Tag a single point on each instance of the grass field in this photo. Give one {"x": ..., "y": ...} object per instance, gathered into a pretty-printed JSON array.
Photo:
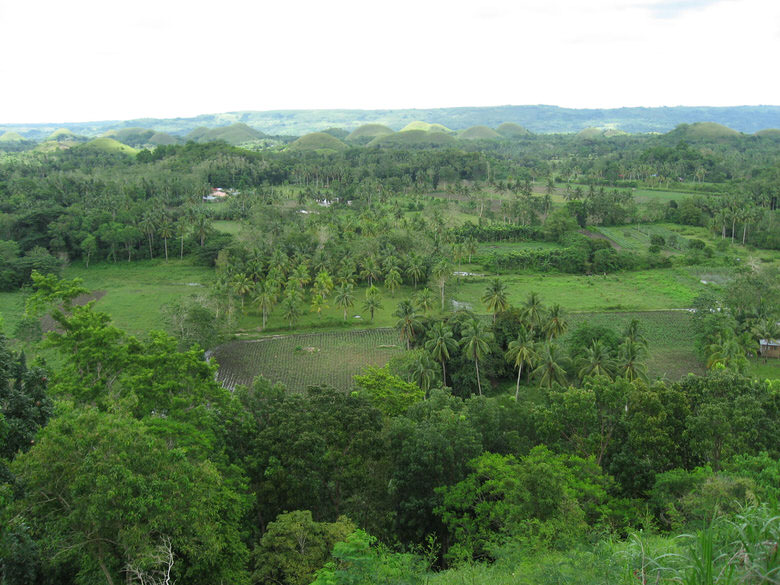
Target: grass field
[
  {"x": 300, "y": 361},
  {"x": 487, "y": 247},
  {"x": 637, "y": 237},
  {"x": 134, "y": 291},
  {"x": 668, "y": 288},
  {"x": 227, "y": 226}
]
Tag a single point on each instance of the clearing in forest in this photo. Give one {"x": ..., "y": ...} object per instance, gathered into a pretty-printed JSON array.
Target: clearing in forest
[{"x": 305, "y": 360}]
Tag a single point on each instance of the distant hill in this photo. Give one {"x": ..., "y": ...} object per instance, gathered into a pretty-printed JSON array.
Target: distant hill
[
  {"x": 367, "y": 132},
  {"x": 61, "y": 135},
  {"x": 704, "y": 131},
  {"x": 11, "y": 136},
  {"x": 318, "y": 141},
  {"x": 512, "y": 130},
  {"x": 108, "y": 145},
  {"x": 413, "y": 138},
  {"x": 426, "y": 127},
  {"x": 479, "y": 133},
  {"x": 536, "y": 119},
  {"x": 769, "y": 133},
  {"x": 234, "y": 134}
]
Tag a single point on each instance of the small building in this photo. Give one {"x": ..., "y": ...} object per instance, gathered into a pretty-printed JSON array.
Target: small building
[{"x": 769, "y": 348}]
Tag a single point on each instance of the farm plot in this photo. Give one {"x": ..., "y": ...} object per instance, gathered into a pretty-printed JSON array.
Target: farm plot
[
  {"x": 299, "y": 361},
  {"x": 637, "y": 237}
]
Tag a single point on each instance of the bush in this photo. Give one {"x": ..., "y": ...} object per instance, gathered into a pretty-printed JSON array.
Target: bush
[
  {"x": 657, "y": 240},
  {"x": 695, "y": 244}
]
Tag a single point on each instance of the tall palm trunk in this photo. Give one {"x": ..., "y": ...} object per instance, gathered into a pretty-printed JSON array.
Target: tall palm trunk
[
  {"x": 519, "y": 373},
  {"x": 479, "y": 384}
]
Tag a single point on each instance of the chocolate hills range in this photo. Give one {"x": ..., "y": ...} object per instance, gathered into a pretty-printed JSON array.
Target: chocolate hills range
[{"x": 537, "y": 119}]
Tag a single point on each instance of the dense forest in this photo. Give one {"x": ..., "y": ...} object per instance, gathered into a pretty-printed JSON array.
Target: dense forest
[{"x": 579, "y": 387}]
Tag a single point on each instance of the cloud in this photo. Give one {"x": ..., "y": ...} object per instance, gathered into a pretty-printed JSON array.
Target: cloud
[{"x": 668, "y": 9}]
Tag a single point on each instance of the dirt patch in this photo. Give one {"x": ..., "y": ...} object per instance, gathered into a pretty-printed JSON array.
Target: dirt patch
[
  {"x": 49, "y": 324},
  {"x": 598, "y": 236}
]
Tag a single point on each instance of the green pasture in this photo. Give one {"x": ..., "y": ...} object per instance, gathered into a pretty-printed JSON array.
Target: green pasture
[
  {"x": 763, "y": 369},
  {"x": 226, "y": 226},
  {"x": 647, "y": 290},
  {"x": 135, "y": 291},
  {"x": 636, "y": 237},
  {"x": 647, "y": 195}
]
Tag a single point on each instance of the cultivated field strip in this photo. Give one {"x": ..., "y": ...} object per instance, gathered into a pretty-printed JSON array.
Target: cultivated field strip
[{"x": 305, "y": 360}]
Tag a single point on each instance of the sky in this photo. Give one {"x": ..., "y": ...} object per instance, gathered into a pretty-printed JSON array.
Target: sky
[{"x": 87, "y": 60}]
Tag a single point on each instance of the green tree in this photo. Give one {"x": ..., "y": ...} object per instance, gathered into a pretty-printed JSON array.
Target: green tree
[
  {"x": 551, "y": 365},
  {"x": 407, "y": 322},
  {"x": 88, "y": 248},
  {"x": 102, "y": 490},
  {"x": 294, "y": 546},
  {"x": 597, "y": 361},
  {"x": 265, "y": 298},
  {"x": 424, "y": 300},
  {"x": 441, "y": 344},
  {"x": 441, "y": 274},
  {"x": 521, "y": 352},
  {"x": 291, "y": 311},
  {"x": 495, "y": 297},
  {"x": 387, "y": 392},
  {"x": 555, "y": 324},
  {"x": 475, "y": 341},
  {"x": 373, "y": 301},
  {"x": 393, "y": 280},
  {"x": 345, "y": 299},
  {"x": 533, "y": 311}
]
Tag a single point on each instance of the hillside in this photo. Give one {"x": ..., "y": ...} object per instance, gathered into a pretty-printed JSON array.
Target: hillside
[
  {"x": 512, "y": 130},
  {"x": 318, "y": 141},
  {"x": 536, "y": 119},
  {"x": 413, "y": 138},
  {"x": 234, "y": 134},
  {"x": 479, "y": 133},
  {"x": 367, "y": 132}
]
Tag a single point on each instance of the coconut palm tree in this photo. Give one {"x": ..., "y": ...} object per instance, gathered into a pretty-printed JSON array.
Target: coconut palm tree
[
  {"x": 423, "y": 372},
  {"x": 291, "y": 311},
  {"x": 441, "y": 343},
  {"x": 344, "y": 298},
  {"x": 415, "y": 268},
  {"x": 265, "y": 299},
  {"x": 476, "y": 344},
  {"x": 629, "y": 364},
  {"x": 556, "y": 324},
  {"x": 407, "y": 321},
  {"x": 634, "y": 334},
  {"x": 533, "y": 310},
  {"x": 166, "y": 232},
  {"x": 424, "y": 300},
  {"x": 393, "y": 280},
  {"x": 471, "y": 247},
  {"x": 726, "y": 350},
  {"x": 242, "y": 286},
  {"x": 551, "y": 366},
  {"x": 373, "y": 303},
  {"x": 370, "y": 270},
  {"x": 441, "y": 273},
  {"x": 597, "y": 361},
  {"x": 495, "y": 297},
  {"x": 521, "y": 352}
]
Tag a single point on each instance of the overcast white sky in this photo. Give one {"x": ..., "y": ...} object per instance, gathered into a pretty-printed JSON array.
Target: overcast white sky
[{"x": 80, "y": 60}]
